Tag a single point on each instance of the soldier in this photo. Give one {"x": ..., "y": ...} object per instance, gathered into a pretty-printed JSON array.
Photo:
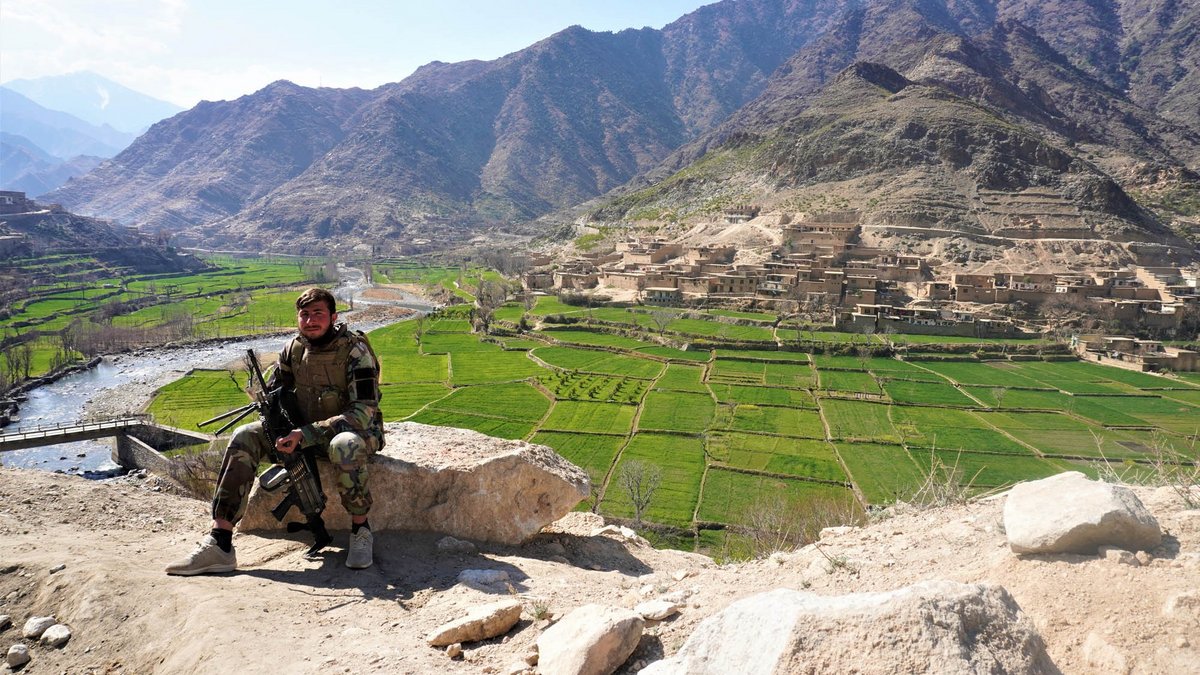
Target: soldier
[{"x": 336, "y": 379}]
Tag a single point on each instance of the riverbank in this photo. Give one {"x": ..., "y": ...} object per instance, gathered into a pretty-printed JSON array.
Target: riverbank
[{"x": 134, "y": 396}]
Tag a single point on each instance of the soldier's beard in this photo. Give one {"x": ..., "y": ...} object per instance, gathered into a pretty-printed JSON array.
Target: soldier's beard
[{"x": 325, "y": 338}]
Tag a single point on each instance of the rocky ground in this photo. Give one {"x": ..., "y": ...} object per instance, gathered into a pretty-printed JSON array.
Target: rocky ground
[{"x": 91, "y": 553}]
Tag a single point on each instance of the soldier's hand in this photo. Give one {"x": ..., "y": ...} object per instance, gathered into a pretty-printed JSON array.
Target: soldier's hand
[{"x": 288, "y": 444}]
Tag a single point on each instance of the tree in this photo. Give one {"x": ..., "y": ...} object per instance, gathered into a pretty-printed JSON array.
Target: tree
[
  {"x": 640, "y": 481},
  {"x": 999, "y": 393},
  {"x": 661, "y": 318}
]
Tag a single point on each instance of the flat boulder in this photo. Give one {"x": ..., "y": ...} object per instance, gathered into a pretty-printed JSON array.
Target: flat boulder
[
  {"x": 590, "y": 640},
  {"x": 1069, "y": 513},
  {"x": 452, "y": 481},
  {"x": 962, "y": 628}
]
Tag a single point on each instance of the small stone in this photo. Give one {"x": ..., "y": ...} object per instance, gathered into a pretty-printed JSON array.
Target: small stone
[
  {"x": 516, "y": 668},
  {"x": 680, "y": 575},
  {"x": 1119, "y": 556},
  {"x": 9, "y": 569},
  {"x": 18, "y": 655},
  {"x": 554, "y": 548},
  {"x": 1185, "y": 604},
  {"x": 1144, "y": 557},
  {"x": 531, "y": 657},
  {"x": 454, "y": 650},
  {"x": 1182, "y": 642},
  {"x": 5, "y": 621},
  {"x": 455, "y": 546},
  {"x": 37, "y": 625},
  {"x": 482, "y": 577},
  {"x": 57, "y": 635},
  {"x": 656, "y": 610},
  {"x": 57, "y": 568}
]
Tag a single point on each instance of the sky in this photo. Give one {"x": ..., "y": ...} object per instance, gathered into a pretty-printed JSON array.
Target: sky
[{"x": 185, "y": 51}]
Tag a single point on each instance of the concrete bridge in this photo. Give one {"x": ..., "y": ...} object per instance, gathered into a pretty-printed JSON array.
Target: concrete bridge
[{"x": 137, "y": 440}]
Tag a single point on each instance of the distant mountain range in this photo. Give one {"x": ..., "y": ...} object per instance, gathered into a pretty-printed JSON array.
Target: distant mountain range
[
  {"x": 56, "y": 128},
  {"x": 920, "y": 113},
  {"x": 96, "y": 100}
]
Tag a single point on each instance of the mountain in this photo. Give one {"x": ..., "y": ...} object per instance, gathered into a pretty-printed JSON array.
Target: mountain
[
  {"x": 25, "y": 167},
  {"x": 96, "y": 99},
  {"x": 57, "y": 133},
  {"x": 1087, "y": 101}
]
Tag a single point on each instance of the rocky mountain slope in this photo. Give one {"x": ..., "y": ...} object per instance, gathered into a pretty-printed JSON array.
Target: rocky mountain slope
[
  {"x": 91, "y": 554},
  {"x": 1100, "y": 90}
]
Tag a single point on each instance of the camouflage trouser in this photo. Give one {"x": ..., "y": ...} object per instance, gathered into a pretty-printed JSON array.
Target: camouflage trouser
[{"x": 347, "y": 451}]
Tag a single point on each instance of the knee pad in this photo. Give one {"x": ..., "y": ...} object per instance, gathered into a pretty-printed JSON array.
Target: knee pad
[{"x": 348, "y": 448}]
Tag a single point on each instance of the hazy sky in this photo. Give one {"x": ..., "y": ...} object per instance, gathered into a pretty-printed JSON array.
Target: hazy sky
[{"x": 184, "y": 51}]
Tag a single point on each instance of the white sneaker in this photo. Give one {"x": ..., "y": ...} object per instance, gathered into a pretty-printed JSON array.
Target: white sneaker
[
  {"x": 207, "y": 558},
  {"x": 361, "y": 549}
]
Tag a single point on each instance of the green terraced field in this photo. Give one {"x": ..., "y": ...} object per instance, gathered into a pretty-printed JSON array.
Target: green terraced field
[
  {"x": 676, "y": 411},
  {"x": 592, "y": 338},
  {"x": 495, "y": 365},
  {"x": 762, "y": 355},
  {"x": 591, "y": 417},
  {"x": 398, "y": 401},
  {"x": 516, "y": 401},
  {"x": 773, "y": 454},
  {"x": 681, "y": 460},
  {"x": 585, "y": 387},
  {"x": 733, "y": 393},
  {"x": 682, "y": 378},
  {"x": 199, "y": 396},
  {"x": 592, "y": 361},
  {"x": 858, "y": 420},
  {"x": 731, "y": 496},
  {"x": 927, "y": 393},
  {"x": 782, "y": 421},
  {"x": 848, "y": 380},
  {"x": 990, "y": 471},
  {"x": 884, "y": 473}
]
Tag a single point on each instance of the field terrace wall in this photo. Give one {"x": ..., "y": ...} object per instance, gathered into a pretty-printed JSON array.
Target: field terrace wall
[
  {"x": 873, "y": 318},
  {"x": 1138, "y": 354}
]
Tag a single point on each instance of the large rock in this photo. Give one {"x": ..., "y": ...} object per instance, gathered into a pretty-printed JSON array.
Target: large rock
[
  {"x": 933, "y": 626},
  {"x": 453, "y": 481},
  {"x": 1068, "y": 513},
  {"x": 591, "y": 640}
]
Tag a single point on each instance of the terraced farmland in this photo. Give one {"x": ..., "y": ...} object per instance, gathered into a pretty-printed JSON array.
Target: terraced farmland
[{"x": 727, "y": 427}]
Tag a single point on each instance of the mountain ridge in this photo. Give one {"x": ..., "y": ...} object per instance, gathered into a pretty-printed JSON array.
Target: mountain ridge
[{"x": 459, "y": 148}]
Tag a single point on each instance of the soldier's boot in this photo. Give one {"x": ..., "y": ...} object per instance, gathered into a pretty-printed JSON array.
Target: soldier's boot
[
  {"x": 207, "y": 558},
  {"x": 361, "y": 549}
]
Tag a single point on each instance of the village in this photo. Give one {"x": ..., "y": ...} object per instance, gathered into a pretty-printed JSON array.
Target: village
[{"x": 822, "y": 273}]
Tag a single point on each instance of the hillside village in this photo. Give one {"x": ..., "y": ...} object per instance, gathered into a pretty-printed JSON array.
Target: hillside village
[{"x": 821, "y": 272}]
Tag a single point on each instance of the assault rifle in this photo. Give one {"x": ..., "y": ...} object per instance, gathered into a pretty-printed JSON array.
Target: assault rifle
[{"x": 296, "y": 471}]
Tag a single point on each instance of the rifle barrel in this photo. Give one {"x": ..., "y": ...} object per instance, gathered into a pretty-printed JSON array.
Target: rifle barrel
[{"x": 223, "y": 415}]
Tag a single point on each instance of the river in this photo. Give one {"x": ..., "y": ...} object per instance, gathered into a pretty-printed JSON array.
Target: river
[{"x": 128, "y": 379}]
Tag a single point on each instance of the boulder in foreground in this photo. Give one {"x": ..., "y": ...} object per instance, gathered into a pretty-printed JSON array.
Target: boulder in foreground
[
  {"x": 933, "y": 626},
  {"x": 1069, "y": 513},
  {"x": 452, "y": 481}
]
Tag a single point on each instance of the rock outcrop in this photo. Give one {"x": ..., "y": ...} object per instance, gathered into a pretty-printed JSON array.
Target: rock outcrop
[
  {"x": 453, "y": 481},
  {"x": 1068, "y": 513},
  {"x": 963, "y": 628}
]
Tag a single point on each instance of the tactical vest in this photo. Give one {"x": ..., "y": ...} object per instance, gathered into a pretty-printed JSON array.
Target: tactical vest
[{"x": 322, "y": 384}]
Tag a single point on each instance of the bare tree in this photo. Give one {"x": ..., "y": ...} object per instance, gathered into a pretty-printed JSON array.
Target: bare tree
[
  {"x": 661, "y": 318},
  {"x": 999, "y": 393},
  {"x": 640, "y": 481}
]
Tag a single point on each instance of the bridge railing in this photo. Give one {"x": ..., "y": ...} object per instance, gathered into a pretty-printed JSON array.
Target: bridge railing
[{"x": 63, "y": 427}]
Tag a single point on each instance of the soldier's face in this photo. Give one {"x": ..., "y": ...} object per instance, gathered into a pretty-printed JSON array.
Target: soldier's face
[{"x": 314, "y": 319}]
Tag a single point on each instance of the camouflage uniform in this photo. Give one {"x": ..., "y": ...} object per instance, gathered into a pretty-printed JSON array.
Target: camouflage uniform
[{"x": 337, "y": 390}]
